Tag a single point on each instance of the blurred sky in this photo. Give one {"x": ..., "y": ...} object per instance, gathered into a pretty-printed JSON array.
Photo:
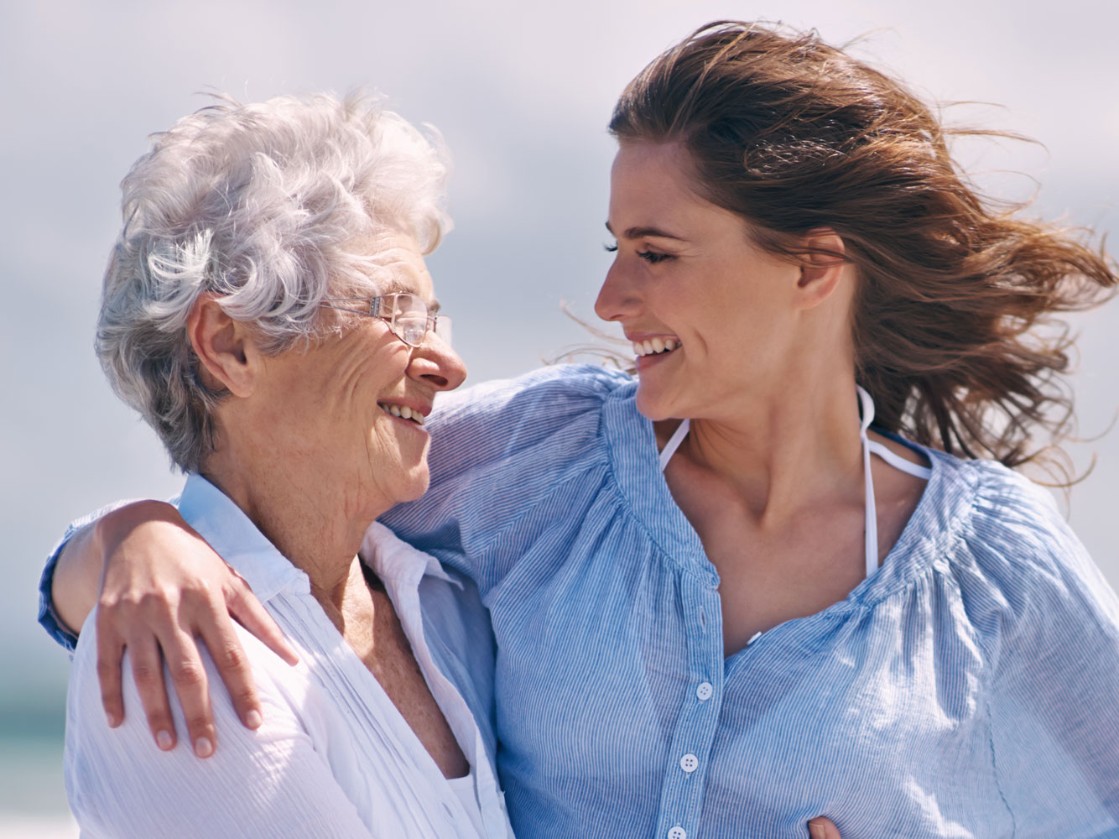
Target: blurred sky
[{"x": 522, "y": 92}]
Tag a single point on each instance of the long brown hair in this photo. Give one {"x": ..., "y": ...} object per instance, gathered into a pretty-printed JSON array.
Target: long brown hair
[{"x": 954, "y": 327}]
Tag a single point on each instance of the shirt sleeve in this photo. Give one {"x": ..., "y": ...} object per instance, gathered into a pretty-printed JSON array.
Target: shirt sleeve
[
  {"x": 264, "y": 783},
  {"x": 500, "y": 452},
  {"x": 1055, "y": 734}
]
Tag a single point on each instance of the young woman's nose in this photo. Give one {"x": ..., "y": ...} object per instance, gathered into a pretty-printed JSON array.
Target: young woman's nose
[{"x": 617, "y": 299}]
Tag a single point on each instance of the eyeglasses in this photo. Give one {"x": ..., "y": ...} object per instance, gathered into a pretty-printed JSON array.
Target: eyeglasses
[{"x": 407, "y": 315}]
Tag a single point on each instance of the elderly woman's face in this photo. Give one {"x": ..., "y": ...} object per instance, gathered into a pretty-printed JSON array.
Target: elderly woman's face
[
  {"x": 335, "y": 408},
  {"x": 709, "y": 313}
]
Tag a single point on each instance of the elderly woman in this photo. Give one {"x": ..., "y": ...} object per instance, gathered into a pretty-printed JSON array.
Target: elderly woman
[
  {"x": 268, "y": 295},
  {"x": 729, "y": 594}
]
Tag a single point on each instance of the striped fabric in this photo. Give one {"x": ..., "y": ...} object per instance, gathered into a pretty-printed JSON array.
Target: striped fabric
[{"x": 968, "y": 688}]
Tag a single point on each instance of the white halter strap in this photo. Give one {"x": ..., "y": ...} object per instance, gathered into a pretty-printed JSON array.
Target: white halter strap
[
  {"x": 870, "y": 526},
  {"x": 869, "y": 447},
  {"x": 866, "y": 405},
  {"x": 674, "y": 443}
]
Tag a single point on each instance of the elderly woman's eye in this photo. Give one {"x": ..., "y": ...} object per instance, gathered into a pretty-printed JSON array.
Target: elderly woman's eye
[
  {"x": 652, "y": 257},
  {"x": 409, "y": 305},
  {"x": 611, "y": 248}
]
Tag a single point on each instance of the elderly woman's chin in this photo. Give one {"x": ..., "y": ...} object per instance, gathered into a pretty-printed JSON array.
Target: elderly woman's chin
[
  {"x": 411, "y": 481},
  {"x": 397, "y": 460}
]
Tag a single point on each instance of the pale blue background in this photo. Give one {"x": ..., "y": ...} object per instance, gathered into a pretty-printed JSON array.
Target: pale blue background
[{"x": 522, "y": 92}]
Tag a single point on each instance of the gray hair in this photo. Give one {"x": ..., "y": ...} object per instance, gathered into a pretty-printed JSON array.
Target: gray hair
[{"x": 264, "y": 205}]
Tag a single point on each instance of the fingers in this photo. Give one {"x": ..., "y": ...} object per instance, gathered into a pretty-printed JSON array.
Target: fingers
[
  {"x": 229, "y": 657},
  {"x": 249, "y": 612},
  {"x": 119, "y": 627},
  {"x": 165, "y": 592},
  {"x": 147, "y": 655},
  {"x": 110, "y": 650},
  {"x": 188, "y": 679},
  {"x": 147, "y": 672},
  {"x": 821, "y": 828}
]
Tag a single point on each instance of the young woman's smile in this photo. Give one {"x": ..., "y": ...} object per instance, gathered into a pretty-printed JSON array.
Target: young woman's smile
[{"x": 707, "y": 311}]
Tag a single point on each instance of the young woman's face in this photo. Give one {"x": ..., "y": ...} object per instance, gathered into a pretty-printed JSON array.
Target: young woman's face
[{"x": 711, "y": 315}]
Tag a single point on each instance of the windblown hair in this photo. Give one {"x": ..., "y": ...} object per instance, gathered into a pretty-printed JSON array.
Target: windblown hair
[
  {"x": 267, "y": 206},
  {"x": 954, "y": 328}
]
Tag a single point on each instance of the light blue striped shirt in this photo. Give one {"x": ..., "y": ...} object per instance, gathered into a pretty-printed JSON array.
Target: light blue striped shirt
[{"x": 968, "y": 688}]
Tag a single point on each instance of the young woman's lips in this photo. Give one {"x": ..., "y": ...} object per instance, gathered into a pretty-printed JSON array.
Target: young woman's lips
[{"x": 650, "y": 351}]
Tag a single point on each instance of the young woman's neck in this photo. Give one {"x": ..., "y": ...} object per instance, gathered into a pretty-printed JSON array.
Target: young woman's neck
[{"x": 786, "y": 450}]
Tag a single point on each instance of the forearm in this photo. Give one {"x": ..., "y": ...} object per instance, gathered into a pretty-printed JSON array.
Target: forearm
[{"x": 75, "y": 582}]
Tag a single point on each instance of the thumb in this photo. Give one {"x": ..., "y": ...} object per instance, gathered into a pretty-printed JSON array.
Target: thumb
[{"x": 821, "y": 828}]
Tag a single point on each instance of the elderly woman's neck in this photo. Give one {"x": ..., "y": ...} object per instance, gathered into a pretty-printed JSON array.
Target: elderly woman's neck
[{"x": 318, "y": 530}]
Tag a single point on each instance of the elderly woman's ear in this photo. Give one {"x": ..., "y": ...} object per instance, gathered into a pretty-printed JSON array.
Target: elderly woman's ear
[{"x": 228, "y": 355}]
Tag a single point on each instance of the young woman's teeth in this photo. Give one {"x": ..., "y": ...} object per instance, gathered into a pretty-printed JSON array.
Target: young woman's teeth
[
  {"x": 402, "y": 411},
  {"x": 655, "y": 346}
]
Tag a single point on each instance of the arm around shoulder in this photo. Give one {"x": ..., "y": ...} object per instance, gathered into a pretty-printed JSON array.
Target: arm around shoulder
[
  {"x": 71, "y": 577},
  {"x": 81, "y": 561},
  {"x": 161, "y": 588}
]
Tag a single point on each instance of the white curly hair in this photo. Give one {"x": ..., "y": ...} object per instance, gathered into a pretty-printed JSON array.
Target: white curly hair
[{"x": 263, "y": 205}]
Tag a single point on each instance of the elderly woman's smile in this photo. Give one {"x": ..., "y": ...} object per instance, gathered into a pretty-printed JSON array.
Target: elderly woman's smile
[
  {"x": 268, "y": 310},
  {"x": 348, "y": 409}
]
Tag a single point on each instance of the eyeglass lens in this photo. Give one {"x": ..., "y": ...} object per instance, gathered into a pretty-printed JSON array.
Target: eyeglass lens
[{"x": 409, "y": 320}]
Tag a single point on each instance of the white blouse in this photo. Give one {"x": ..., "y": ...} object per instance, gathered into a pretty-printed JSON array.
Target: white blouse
[{"x": 333, "y": 756}]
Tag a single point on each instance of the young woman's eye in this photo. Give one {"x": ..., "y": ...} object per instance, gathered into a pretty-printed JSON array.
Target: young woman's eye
[{"x": 652, "y": 257}]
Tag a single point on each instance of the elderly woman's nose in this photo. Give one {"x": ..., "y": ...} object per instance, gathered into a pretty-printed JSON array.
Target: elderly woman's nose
[
  {"x": 617, "y": 298},
  {"x": 435, "y": 362}
]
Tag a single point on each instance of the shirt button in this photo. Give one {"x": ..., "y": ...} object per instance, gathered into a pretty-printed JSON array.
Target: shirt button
[
  {"x": 689, "y": 763},
  {"x": 677, "y": 833},
  {"x": 704, "y": 691}
]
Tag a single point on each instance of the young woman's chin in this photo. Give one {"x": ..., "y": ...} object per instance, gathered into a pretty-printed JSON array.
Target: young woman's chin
[{"x": 652, "y": 404}]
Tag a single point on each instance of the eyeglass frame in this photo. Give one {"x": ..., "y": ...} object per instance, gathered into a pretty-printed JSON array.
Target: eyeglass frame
[{"x": 432, "y": 323}]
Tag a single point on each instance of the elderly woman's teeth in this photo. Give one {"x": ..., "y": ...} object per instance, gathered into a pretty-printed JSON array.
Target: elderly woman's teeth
[
  {"x": 402, "y": 411},
  {"x": 654, "y": 346}
]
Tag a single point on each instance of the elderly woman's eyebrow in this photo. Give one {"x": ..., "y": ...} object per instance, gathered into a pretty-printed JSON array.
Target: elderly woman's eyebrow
[{"x": 398, "y": 286}]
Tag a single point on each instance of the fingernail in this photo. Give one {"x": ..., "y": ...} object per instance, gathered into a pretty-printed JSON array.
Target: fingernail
[
  {"x": 163, "y": 740},
  {"x": 816, "y": 830},
  {"x": 203, "y": 747},
  {"x": 113, "y": 720},
  {"x": 253, "y": 719}
]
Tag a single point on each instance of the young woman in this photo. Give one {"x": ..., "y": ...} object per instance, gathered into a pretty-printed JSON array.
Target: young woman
[{"x": 786, "y": 569}]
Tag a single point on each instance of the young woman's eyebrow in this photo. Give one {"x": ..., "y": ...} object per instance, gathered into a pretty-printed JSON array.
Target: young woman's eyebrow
[{"x": 642, "y": 232}]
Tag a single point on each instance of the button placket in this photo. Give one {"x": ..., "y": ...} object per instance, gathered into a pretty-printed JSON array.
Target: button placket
[{"x": 684, "y": 784}]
